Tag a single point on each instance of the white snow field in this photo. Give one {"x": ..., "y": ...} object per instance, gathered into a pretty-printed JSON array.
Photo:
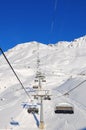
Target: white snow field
[{"x": 64, "y": 66}]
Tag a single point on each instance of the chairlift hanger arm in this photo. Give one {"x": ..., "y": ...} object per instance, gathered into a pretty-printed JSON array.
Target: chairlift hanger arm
[{"x": 13, "y": 71}]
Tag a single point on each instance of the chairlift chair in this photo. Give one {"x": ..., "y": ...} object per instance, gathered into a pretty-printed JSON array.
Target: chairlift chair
[
  {"x": 64, "y": 108},
  {"x": 35, "y": 87},
  {"x": 36, "y": 80},
  {"x": 47, "y": 97},
  {"x": 33, "y": 109},
  {"x": 41, "y": 76},
  {"x": 43, "y": 80}
]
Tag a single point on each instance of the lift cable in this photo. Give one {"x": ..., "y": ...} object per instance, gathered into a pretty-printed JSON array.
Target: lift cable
[
  {"x": 67, "y": 93},
  {"x": 74, "y": 87},
  {"x": 14, "y": 72}
]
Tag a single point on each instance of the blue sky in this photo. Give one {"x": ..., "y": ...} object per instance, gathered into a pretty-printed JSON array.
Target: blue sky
[{"x": 46, "y": 21}]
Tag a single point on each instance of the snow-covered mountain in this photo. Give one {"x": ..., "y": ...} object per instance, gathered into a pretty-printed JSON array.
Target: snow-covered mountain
[{"x": 64, "y": 66}]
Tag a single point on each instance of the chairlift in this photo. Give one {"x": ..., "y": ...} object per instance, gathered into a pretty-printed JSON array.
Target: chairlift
[
  {"x": 35, "y": 87},
  {"x": 64, "y": 108},
  {"x": 41, "y": 76},
  {"x": 43, "y": 80},
  {"x": 47, "y": 97},
  {"x": 33, "y": 109},
  {"x": 36, "y": 80}
]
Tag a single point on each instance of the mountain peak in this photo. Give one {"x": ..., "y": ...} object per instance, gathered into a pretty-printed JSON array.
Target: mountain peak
[{"x": 79, "y": 42}]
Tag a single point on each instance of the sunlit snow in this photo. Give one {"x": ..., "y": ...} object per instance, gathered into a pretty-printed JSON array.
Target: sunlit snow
[{"x": 64, "y": 66}]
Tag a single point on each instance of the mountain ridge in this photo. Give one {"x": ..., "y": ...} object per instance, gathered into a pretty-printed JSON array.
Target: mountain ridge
[{"x": 74, "y": 43}]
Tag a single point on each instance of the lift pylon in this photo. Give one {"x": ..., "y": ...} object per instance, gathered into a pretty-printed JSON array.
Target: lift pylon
[
  {"x": 42, "y": 94},
  {"x": 41, "y": 125}
]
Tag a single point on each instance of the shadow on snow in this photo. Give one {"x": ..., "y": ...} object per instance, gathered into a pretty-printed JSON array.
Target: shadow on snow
[{"x": 37, "y": 121}]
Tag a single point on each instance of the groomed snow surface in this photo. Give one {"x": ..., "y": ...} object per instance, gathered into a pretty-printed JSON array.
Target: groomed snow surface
[{"x": 64, "y": 66}]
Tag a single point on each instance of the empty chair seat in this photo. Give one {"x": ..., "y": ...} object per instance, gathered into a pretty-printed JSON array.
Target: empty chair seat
[{"x": 64, "y": 108}]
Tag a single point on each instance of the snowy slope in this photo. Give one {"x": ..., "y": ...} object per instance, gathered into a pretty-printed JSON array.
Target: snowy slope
[{"x": 64, "y": 67}]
